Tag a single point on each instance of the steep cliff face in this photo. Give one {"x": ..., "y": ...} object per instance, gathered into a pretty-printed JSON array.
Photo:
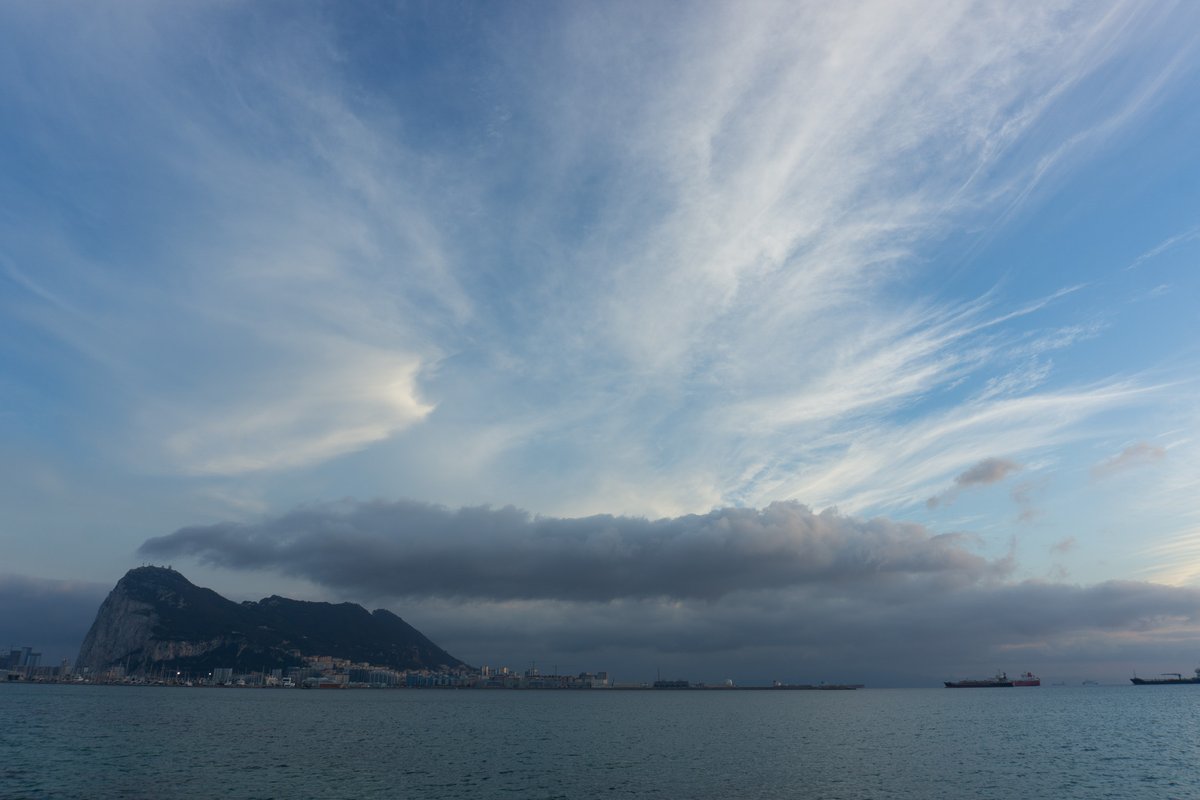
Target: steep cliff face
[
  {"x": 155, "y": 619},
  {"x": 123, "y": 628}
]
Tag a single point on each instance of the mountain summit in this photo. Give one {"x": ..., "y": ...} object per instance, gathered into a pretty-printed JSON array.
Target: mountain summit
[{"x": 157, "y": 619}]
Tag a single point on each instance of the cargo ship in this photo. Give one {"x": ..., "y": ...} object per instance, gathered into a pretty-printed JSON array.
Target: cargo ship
[
  {"x": 1001, "y": 680},
  {"x": 1166, "y": 679},
  {"x": 1027, "y": 679}
]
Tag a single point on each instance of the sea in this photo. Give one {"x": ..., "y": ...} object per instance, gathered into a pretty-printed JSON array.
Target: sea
[{"x": 83, "y": 741}]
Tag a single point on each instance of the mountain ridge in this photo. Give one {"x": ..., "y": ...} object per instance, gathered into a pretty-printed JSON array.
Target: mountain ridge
[{"x": 156, "y": 619}]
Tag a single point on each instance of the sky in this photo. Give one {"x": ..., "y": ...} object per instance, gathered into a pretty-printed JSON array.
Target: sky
[{"x": 794, "y": 341}]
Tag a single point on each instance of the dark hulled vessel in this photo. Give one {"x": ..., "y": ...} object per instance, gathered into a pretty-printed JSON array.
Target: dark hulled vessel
[
  {"x": 1000, "y": 681},
  {"x": 1168, "y": 678}
]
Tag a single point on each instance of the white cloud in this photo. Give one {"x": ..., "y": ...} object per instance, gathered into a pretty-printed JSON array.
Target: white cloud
[{"x": 324, "y": 412}]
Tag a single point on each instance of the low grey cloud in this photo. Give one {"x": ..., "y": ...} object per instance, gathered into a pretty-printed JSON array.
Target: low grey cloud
[
  {"x": 1064, "y": 546},
  {"x": 983, "y": 473},
  {"x": 1135, "y": 455},
  {"x": 1023, "y": 495},
  {"x": 828, "y": 632},
  {"x": 778, "y": 592},
  {"x": 51, "y": 616},
  {"x": 410, "y": 549},
  {"x": 990, "y": 470}
]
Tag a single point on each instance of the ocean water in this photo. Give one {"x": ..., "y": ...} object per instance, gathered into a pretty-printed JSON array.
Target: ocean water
[{"x": 64, "y": 741}]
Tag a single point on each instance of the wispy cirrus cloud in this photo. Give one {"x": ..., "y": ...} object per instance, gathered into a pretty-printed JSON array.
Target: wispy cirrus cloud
[
  {"x": 257, "y": 326},
  {"x": 725, "y": 242},
  {"x": 1167, "y": 244},
  {"x": 880, "y": 465},
  {"x": 756, "y": 296}
]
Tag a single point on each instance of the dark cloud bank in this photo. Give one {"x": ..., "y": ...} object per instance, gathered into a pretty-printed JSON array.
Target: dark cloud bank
[
  {"x": 777, "y": 592},
  {"x": 411, "y": 549}
]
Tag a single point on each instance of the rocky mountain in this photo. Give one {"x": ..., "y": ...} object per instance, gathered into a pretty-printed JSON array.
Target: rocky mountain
[{"x": 155, "y": 619}]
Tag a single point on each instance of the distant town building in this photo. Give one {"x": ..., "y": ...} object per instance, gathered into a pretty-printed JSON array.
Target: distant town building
[{"x": 22, "y": 661}]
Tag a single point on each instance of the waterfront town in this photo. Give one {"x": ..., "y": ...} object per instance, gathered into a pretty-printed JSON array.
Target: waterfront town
[
  {"x": 327, "y": 672},
  {"x": 315, "y": 672}
]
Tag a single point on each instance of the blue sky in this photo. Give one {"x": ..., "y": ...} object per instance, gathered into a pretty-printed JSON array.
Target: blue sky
[{"x": 931, "y": 265}]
